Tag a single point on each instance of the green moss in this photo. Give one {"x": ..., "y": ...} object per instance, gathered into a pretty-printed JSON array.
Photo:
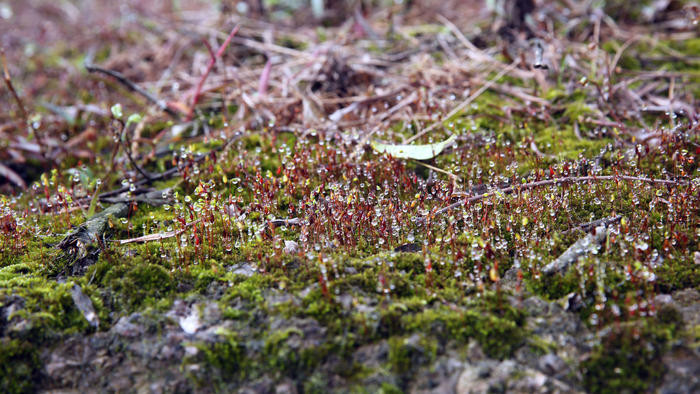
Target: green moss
[
  {"x": 365, "y": 280},
  {"x": 498, "y": 337},
  {"x": 134, "y": 285},
  {"x": 628, "y": 359},
  {"x": 390, "y": 321},
  {"x": 248, "y": 288},
  {"x": 563, "y": 143},
  {"x": 410, "y": 262},
  {"x": 691, "y": 45},
  {"x": 621, "y": 10},
  {"x": 668, "y": 315},
  {"x": 577, "y": 109},
  {"x": 20, "y": 367},
  {"x": 405, "y": 355},
  {"x": 540, "y": 346},
  {"x": 279, "y": 355},
  {"x": 49, "y": 309},
  {"x": 205, "y": 278},
  {"x": 319, "y": 307},
  {"x": 253, "y": 141},
  {"x": 555, "y": 286},
  {"x": 499, "y": 333},
  {"x": 271, "y": 165},
  {"x": 316, "y": 383},
  {"x": 678, "y": 273},
  {"x": 629, "y": 62},
  {"x": 399, "y": 355},
  {"x": 388, "y": 388},
  {"x": 226, "y": 355},
  {"x": 440, "y": 307}
]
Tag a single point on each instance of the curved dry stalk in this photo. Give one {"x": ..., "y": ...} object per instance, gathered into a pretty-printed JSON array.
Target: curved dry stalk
[
  {"x": 532, "y": 185},
  {"x": 157, "y": 236},
  {"x": 12, "y": 176},
  {"x": 452, "y": 176},
  {"x": 162, "y": 104}
]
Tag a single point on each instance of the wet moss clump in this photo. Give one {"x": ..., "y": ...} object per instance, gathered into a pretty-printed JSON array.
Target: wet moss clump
[
  {"x": 225, "y": 356},
  {"x": 47, "y": 309},
  {"x": 555, "y": 286},
  {"x": 628, "y": 359},
  {"x": 676, "y": 274},
  {"x": 20, "y": 367},
  {"x": 280, "y": 356},
  {"x": 132, "y": 286},
  {"x": 408, "y": 353},
  {"x": 496, "y": 326}
]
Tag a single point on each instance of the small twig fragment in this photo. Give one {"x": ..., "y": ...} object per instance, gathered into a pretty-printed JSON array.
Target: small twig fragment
[
  {"x": 580, "y": 248},
  {"x": 157, "y": 236},
  {"x": 593, "y": 224}
]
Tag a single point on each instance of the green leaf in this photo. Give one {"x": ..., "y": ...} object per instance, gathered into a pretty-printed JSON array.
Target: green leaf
[
  {"x": 117, "y": 111},
  {"x": 93, "y": 202},
  {"x": 133, "y": 118},
  {"x": 416, "y": 152},
  {"x": 84, "y": 174}
]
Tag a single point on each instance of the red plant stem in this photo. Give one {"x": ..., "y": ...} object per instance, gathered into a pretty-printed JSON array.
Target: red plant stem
[
  {"x": 210, "y": 66},
  {"x": 265, "y": 78},
  {"x": 209, "y": 48}
]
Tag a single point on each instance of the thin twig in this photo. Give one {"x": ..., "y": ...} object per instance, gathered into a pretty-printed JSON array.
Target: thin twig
[
  {"x": 268, "y": 47},
  {"x": 452, "y": 176},
  {"x": 127, "y": 149},
  {"x": 400, "y": 105},
  {"x": 619, "y": 53},
  {"x": 265, "y": 78},
  {"x": 10, "y": 86},
  {"x": 285, "y": 222},
  {"x": 477, "y": 54},
  {"x": 532, "y": 185},
  {"x": 134, "y": 87}
]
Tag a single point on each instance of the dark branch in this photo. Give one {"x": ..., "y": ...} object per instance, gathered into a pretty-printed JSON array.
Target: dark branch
[{"x": 133, "y": 87}]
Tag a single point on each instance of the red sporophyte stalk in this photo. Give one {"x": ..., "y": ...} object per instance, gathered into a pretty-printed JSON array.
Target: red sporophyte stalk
[{"x": 324, "y": 287}]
